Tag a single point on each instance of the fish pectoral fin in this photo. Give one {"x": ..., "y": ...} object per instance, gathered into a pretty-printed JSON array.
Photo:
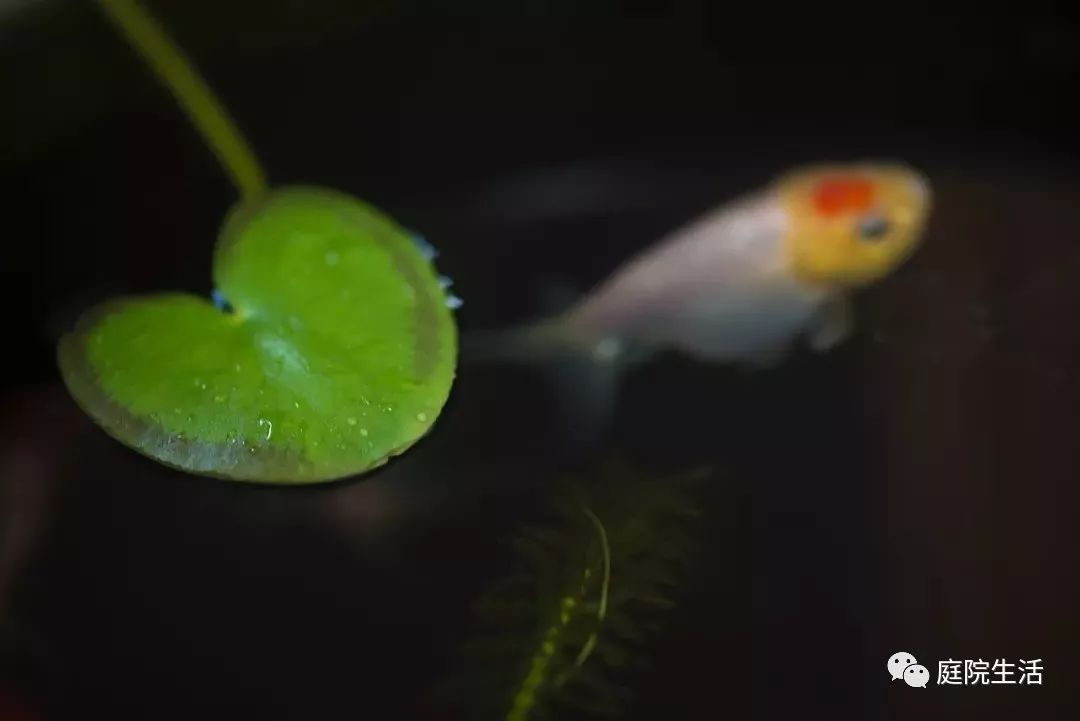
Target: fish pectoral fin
[
  {"x": 585, "y": 382},
  {"x": 586, "y": 398},
  {"x": 834, "y": 323}
]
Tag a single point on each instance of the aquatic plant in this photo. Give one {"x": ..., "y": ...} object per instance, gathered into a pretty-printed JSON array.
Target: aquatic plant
[
  {"x": 566, "y": 633},
  {"x": 329, "y": 345}
]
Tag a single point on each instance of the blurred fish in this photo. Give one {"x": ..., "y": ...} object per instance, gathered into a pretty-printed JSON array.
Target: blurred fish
[{"x": 742, "y": 284}]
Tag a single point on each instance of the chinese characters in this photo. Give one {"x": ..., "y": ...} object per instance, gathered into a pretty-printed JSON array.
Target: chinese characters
[{"x": 985, "y": 673}]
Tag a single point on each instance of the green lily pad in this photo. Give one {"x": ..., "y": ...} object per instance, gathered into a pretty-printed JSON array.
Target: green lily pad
[{"x": 338, "y": 351}]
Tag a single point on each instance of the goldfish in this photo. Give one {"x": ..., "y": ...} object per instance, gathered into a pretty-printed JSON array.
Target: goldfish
[{"x": 743, "y": 284}]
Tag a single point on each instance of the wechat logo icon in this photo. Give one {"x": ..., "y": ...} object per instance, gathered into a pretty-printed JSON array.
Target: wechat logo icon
[{"x": 902, "y": 665}]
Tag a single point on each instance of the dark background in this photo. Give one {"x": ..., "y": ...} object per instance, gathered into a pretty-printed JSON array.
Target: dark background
[{"x": 914, "y": 490}]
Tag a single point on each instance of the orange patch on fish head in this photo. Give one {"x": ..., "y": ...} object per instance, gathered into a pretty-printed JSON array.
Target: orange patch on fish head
[
  {"x": 841, "y": 194},
  {"x": 851, "y": 225}
]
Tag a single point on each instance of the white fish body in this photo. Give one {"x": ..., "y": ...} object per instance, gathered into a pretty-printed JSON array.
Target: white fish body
[
  {"x": 718, "y": 290},
  {"x": 741, "y": 284}
]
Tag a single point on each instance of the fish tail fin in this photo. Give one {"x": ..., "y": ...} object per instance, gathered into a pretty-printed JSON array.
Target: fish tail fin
[
  {"x": 513, "y": 345},
  {"x": 583, "y": 376}
]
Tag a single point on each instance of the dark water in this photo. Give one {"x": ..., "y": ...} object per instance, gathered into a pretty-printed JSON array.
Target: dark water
[{"x": 914, "y": 490}]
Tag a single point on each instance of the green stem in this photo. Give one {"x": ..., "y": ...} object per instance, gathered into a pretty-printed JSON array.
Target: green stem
[{"x": 196, "y": 99}]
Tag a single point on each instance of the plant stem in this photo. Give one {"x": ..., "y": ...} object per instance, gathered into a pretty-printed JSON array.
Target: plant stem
[{"x": 178, "y": 74}]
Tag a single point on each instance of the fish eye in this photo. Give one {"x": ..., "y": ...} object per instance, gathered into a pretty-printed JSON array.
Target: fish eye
[{"x": 872, "y": 226}]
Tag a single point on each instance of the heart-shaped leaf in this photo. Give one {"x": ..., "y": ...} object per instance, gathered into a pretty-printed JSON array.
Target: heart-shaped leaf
[{"x": 338, "y": 351}]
